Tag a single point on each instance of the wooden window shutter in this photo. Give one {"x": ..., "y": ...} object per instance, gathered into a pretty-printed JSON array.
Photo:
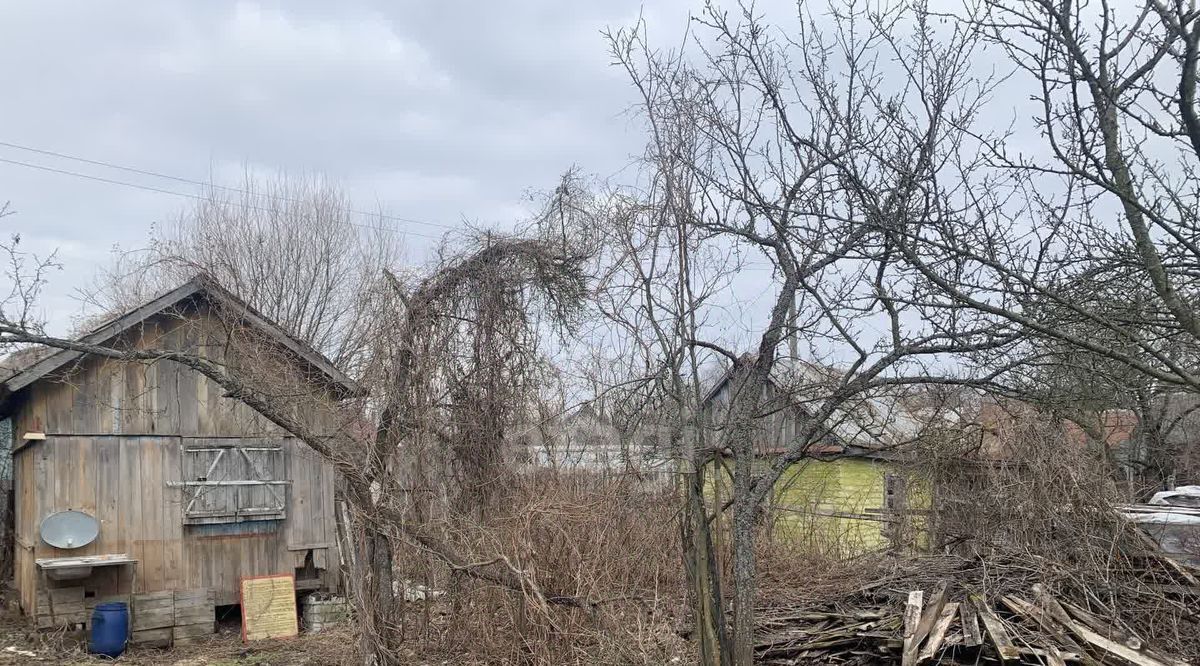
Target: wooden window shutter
[{"x": 232, "y": 481}]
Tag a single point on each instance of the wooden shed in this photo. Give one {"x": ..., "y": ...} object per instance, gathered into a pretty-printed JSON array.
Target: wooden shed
[
  {"x": 191, "y": 490},
  {"x": 845, "y": 490}
]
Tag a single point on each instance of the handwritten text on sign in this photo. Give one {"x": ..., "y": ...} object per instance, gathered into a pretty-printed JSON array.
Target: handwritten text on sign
[{"x": 269, "y": 607}]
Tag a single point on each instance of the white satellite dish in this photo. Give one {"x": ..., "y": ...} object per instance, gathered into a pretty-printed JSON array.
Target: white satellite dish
[{"x": 69, "y": 529}]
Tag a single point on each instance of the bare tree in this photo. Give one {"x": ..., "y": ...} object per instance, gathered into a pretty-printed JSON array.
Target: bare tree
[
  {"x": 439, "y": 391},
  {"x": 1102, "y": 256},
  {"x": 1087, "y": 241},
  {"x": 786, "y": 126},
  {"x": 655, "y": 280},
  {"x": 293, "y": 248},
  {"x": 26, "y": 274}
]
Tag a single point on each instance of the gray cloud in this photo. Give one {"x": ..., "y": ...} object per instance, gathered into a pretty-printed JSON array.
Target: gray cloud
[{"x": 436, "y": 111}]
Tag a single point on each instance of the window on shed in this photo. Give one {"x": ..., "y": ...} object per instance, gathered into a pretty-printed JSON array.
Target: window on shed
[{"x": 225, "y": 483}]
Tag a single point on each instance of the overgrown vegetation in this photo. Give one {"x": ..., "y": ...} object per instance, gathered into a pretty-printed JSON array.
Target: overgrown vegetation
[{"x": 919, "y": 263}]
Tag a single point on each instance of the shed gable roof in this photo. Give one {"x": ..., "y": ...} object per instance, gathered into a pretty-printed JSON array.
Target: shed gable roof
[{"x": 199, "y": 286}]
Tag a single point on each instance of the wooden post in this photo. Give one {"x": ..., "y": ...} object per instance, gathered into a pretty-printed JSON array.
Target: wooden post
[{"x": 895, "y": 507}]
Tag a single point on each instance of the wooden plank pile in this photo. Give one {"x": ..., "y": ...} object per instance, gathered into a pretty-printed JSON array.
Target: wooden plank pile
[{"x": 954, "y": 625}]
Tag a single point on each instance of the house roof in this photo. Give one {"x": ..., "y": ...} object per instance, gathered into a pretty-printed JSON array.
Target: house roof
[
  {"x": 1000, "y": 422},
  {"x": 867, "y": 422},
  {"x": 35, "y": 367}
]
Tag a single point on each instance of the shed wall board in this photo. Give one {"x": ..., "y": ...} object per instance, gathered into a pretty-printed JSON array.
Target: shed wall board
[
  {"x": 102, "y": 396},
  {"x": 123, "y": 481},
  {"x": 114, "y": 437},
  {"x": 25, "y": 510}
]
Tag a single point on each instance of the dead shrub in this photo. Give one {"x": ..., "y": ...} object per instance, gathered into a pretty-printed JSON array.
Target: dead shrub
[
  {"x": 1028, "y": 503},
  {"x": 611, "y": 541}
]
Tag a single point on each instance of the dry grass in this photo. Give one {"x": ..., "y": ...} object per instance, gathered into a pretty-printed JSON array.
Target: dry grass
[
  {"x": 610, "y": 541},
  {"x": 327, "y": 648}
]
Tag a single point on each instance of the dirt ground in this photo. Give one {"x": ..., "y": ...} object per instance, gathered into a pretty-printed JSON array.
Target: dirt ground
[{"x": 21, "y": 644}]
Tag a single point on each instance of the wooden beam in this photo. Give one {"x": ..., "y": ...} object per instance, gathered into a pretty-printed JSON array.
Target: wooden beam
[
  {"x": 1111, "y": 629},
  {"x": 310, "y": 546},
  {"x": 1096, "y": 640},
  {"x": 238, "y": 482},
  {"x": 1024, "y": 608},
  {"x": 214, "y": 449},
  {"x": 932, "y": 611},
  {"x": 912, "y": 619},
  {"x": 970, "y": 625},
  {"x": 995, "y": 629},
  {"x": 938, "y": 633},
  {"x": 1048, "y": 655},
  {"x": 85, "y": 560},
  {"x": 27, "y": 440}
]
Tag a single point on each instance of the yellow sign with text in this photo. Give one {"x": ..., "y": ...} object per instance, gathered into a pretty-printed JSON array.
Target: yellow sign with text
[{"x": 269, "y": 607}]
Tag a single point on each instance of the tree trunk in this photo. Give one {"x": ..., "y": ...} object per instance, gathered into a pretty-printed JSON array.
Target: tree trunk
[
  {"x": 379, "y": 626},
  {"x": 744, "y": 565},
  {"x": 703, "y": 576}
]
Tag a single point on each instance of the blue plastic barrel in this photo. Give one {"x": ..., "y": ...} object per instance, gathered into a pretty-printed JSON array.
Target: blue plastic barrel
[{"x": 110, "y": 628}]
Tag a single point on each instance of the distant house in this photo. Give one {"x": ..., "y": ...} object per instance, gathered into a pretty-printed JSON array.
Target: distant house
[
  {"x": 870, "y": 426},
  {"x": 844, "y": 489},
  {"x": 189, "y": 489},
  {"x": 1173, "y": 426},
  {"x": 586, "y": 440},
  {"x": 1000, "y": 423}
]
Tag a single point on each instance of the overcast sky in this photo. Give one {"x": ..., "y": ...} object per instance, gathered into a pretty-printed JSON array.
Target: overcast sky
[{"x": 436, "y": 111}]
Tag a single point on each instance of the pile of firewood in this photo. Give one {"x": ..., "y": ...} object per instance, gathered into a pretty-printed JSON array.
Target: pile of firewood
[{"x": 953, "y": 624}]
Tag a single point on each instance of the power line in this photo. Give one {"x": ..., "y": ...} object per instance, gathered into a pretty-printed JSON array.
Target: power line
[
  {"x": 150, "y": 188},
  {"x": 189, "y": 181}
]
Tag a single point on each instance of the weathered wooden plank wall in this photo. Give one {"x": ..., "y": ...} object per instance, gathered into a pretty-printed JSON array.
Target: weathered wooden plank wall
[
  {"x": 146, "y": 398},
  {"x": 123, "y": 481},
  {"x": 115, "y": 436},
  {"x": 25, "y": 511}
]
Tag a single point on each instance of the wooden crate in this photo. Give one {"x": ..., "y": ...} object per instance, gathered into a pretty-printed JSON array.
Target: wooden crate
[
  {"x": 152, "y": 618},
  {"x": 160, "y": 638},
  {"x": 162, "y": 619},
  {"x": 195, "y": 616},
  {"x": 60, "y": 607},
  {"x": 192, "y": 633},
  {"x": 153, "y": 610}
]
